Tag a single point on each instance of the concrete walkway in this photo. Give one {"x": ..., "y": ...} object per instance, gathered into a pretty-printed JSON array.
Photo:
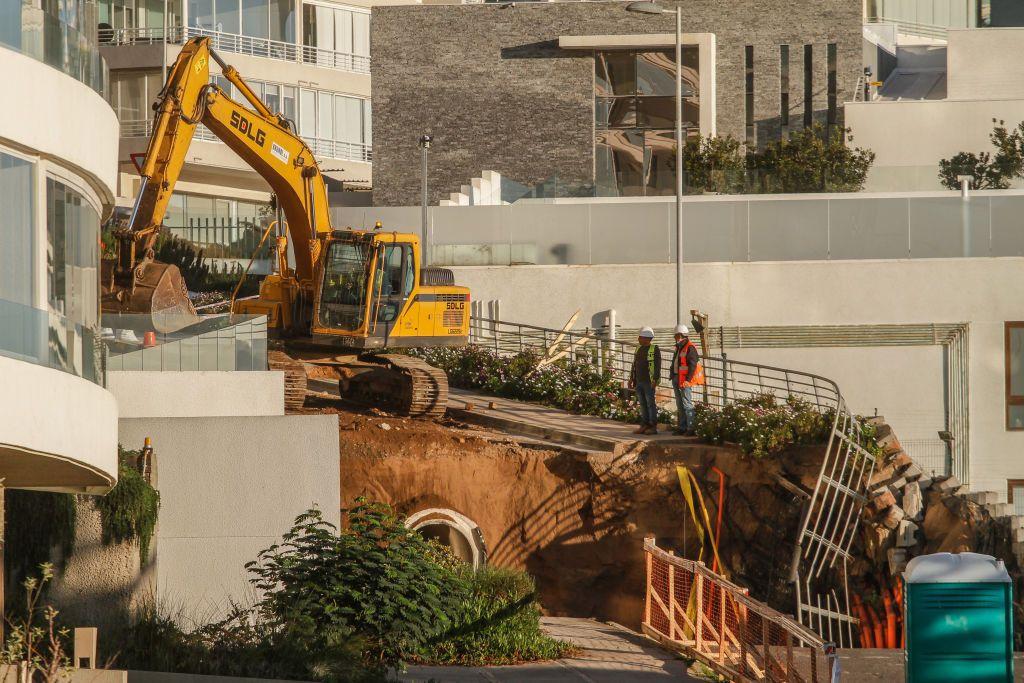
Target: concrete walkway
[
  {"x": 608, "y": 654},
  {"x": 552, "y": 424}
]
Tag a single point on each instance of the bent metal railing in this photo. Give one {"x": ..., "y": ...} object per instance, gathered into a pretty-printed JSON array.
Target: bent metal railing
[
  {"x": 690, "y": 608},
  {"x": 832, "y": 512}
]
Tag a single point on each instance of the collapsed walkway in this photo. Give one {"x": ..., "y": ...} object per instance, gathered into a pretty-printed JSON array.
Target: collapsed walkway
[
  {"x": 607, "y": 654},
  {"x": 550, "y": 424}
]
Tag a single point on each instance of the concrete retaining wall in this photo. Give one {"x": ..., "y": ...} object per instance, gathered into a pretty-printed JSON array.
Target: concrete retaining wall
[
  {"x": 197, "y": 394},
  {"x": 230, "y": 487}
]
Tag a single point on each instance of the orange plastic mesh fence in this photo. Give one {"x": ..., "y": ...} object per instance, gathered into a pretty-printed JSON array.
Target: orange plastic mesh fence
[{"x": 691, "y": 608}]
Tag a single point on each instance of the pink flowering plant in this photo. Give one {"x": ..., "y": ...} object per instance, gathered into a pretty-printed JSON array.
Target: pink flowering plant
[
  {"x": 577, "y": 386},
  {"x": 762, "y": 425}
]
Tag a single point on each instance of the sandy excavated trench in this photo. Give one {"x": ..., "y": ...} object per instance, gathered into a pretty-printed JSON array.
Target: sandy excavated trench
[{"x": 576, "y": 521}]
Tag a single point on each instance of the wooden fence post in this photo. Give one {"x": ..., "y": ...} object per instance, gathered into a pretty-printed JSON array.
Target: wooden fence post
[
  {"x": 699, "y": 630},
  {"x": 721, "y": 625},
  {"x": 647, "y": 595},
  {"x": 672, "y": 602}
]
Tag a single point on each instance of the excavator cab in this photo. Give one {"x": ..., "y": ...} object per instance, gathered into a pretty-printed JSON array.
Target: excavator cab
[{"x": 374, "y": 293}]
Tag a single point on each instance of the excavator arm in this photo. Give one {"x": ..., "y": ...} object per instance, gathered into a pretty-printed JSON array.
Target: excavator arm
[{"x": 264, "y": 140}]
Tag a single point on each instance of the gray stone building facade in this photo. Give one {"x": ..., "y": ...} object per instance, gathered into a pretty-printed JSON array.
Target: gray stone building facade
[{"x": 492, "y": 85}]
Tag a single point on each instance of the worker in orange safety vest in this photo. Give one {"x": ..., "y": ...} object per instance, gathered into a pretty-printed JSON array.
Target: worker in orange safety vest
[{"x": 687, "y": 372}]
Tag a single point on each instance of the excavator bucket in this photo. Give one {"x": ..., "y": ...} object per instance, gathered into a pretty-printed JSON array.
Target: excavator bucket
[{"x": 158, "y": 301}]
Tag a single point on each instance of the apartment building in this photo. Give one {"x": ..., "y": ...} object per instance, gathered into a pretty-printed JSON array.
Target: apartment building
[
  {"x": 582, "y": 93},
  {"x": 309, "y": 59},
  {"x": 58, "y": 141}
]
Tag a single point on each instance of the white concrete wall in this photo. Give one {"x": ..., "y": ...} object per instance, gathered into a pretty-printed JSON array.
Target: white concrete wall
[
  {"x": 197, "y": 394},
  {"x": 909, "y": 138},
  {"x": 904, "y": 383},
  {"x": 57, "y": 431},
  {"x": 986, "y": 63},
  {"x": 230, "y": 487},
  {"x": 50, "y": 113}
]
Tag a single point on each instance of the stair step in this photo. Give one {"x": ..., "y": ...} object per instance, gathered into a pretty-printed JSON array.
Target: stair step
[
  {"x": 1000, "y": 509},
  {"x": 983, "y": 497}
]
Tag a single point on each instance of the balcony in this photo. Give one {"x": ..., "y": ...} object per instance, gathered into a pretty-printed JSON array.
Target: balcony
[
  {"x": 243, "y": 45},
  {"x": 324, "y": 149}
]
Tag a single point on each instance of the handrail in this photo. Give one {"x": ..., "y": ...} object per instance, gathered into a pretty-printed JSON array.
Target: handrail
[
  {"x": 701, "y": 613},
  {"x": 831, "y": 516},
  {"x": 242, "y": 44}
]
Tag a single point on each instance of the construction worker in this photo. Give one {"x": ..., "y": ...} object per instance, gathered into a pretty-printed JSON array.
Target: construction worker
[
  {"x": 644, "y": 379},
  {"x": 687, "y": 372}
]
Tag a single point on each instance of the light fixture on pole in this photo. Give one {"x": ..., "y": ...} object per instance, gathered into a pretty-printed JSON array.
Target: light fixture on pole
[
  {"x": 425, "y": 141},
  {"x": 646, "y": 7}
]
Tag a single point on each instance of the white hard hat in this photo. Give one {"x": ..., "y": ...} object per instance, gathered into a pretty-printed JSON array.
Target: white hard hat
[
  {"x": 647, "y": 332},
  {"x": 682, "y": 329}
]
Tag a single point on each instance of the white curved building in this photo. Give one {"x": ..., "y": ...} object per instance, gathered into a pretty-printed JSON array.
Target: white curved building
[{"x": 58, "y": 172}]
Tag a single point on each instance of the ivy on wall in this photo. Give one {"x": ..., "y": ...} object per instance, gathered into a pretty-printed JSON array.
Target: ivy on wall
[{"x": 129, "y": 511}]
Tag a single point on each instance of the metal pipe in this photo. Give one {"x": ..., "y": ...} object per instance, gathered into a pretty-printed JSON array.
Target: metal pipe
[{"x": 679, "y": 166}]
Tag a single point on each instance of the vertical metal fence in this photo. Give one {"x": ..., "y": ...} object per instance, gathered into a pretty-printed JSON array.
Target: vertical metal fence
[
  {"x": 691, "y": 608},
  {"x": 831, "y": 516}
]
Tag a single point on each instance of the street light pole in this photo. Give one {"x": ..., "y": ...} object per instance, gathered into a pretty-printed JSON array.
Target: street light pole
[
  {"x": 679, "y": 166},
  {"x": 650, "y": 7},
  {"x": 163, "y": 60},
  {"x": 425, "y": 141}
]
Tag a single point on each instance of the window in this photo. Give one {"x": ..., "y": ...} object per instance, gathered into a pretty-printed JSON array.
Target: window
[
  {"x": 784, "y": 87},
  {"x": 1015, "y": 375},
  {"x": 832, "y": 86},
  {"x": 634, "y": 110},
  {"x": 748, "y": 64},
  {"x": 307, "y": 113},
  {"x": 345, "y": 30},
  {"x": 132, "y": 93},
  {"x": 1015, "y": 495},
  {"x": 343, "y": 295},
  {"x": 808, "y": 85},
  {"x": 17, "y": 222},
  {"x": 273, "y": 19},
  {"x": 72, "y": 269}
]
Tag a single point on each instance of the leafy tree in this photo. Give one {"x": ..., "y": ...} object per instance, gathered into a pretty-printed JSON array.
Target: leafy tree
[
  {"x": 990, "y": 171},
  {"x": 812, "y": 159},
  {"x": 374, "y": 582},
  {"x": 714, "y": 164}
]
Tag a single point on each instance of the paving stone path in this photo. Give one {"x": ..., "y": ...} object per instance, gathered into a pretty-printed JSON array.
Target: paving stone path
[{"x": 608, "y": 654}]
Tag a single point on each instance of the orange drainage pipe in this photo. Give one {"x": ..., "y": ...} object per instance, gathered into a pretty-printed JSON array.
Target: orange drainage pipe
[
  {"x": 865, "y": 624},
  {"x": 718, "y": 522},
  {"x": 890, "y": 619}
]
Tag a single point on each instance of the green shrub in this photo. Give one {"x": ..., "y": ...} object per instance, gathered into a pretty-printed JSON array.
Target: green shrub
[
  {"x": 348, "y": 605},
  {"x": 577, "y": 386},
  {"x": 496, "y": 622},
  {"x": 761, "y": 426}
]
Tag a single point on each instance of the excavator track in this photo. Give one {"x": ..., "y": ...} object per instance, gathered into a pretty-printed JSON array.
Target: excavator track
[
  {"x": 400, "y": 384},
  {"x": 294, "y": 378}
]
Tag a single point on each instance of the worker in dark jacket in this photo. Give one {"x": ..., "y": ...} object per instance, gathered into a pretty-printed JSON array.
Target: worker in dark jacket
[
  {"x": 687, "y": 372},
  {"x": 644, "y": 379}
]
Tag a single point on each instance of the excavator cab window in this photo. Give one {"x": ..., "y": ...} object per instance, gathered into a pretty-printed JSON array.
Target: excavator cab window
[
  {"x": 346, "y": 274},
  {"x": 395, "y": 279}
]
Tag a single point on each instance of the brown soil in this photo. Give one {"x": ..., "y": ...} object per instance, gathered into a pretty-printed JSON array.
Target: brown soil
[{"x": 576, "y": 521}]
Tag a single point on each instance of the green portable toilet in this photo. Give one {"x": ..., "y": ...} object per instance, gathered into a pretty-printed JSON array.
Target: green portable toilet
[{"x": 958, "y": 618}]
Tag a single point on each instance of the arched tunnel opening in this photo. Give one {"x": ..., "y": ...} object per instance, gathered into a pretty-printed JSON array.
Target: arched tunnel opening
[{"x": 452, "y": 530}]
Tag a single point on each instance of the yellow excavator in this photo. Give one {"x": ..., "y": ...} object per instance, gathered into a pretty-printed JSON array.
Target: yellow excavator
[{"x": 350, "y": 295}]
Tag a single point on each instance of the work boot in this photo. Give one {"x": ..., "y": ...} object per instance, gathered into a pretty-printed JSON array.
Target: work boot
[
  {"x": 679, "y": 432},
  {"x": 651, "y": 429},
  {"x": 642, "y": 429}
]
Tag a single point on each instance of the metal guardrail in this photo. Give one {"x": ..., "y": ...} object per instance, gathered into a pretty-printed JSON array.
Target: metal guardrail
[
  {"x": 322, "y": 148},
  {"x": 832, "y": 514},
  {"x": 244, "y": 45},
  {"x": 690, "y": 608}
]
